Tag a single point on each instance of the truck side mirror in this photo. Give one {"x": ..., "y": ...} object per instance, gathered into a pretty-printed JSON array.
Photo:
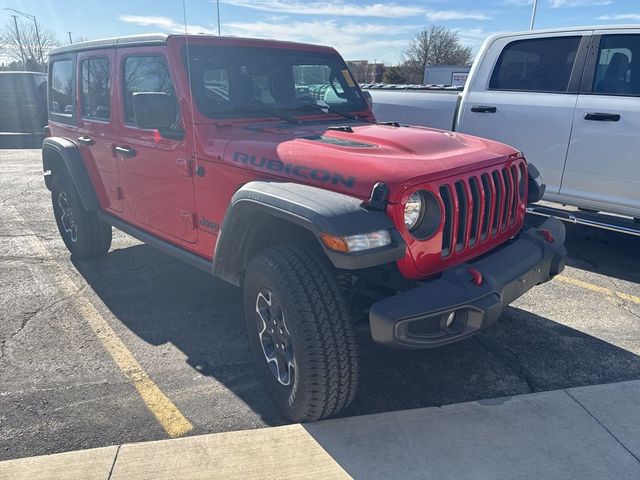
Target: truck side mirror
[{"x": 154, "y": 110}]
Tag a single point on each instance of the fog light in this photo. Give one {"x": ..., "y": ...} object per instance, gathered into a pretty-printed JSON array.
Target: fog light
[{"x": 450, "y": 319}]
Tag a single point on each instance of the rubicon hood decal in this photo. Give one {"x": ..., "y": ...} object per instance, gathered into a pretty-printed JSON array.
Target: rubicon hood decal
[{"x": 300, "y": 171}]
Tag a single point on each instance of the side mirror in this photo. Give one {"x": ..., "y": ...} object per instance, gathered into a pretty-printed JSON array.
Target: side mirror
[
  {"x": 155, "y": 110},
  {"x": 368, "y": 97}
]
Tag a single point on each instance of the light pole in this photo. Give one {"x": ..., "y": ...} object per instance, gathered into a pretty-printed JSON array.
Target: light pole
[
  {"x": 70, "y": 41},
  {"x": 15, "y": 21},
  {"x": 218, "y": 9},
  {"x": 533, "y": 14},
  {"x": 35, "y": 23}
]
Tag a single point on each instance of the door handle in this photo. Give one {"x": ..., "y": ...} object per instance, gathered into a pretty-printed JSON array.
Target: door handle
[
  {"x": 483, "y": 109},
  {"x": 126, "y": 151},
  {"x": 602, "y": 117},
  {"x": 86, "y": 140}
]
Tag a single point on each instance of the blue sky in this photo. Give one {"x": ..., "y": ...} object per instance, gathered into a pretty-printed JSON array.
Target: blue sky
[{"x": 359, "y": 29}]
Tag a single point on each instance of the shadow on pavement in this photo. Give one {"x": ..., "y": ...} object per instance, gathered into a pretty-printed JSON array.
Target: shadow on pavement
[
  {"x": 601, "y": 251},
  {"x": 161, "y": 300},
  {"x": 14, "y": 141}
]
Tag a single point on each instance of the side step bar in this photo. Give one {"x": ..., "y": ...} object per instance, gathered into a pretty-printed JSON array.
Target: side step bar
[{"x": 596, "y": 220}]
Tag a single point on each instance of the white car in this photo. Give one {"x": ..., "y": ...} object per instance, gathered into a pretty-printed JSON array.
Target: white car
[{"x": 568, "y": 98}]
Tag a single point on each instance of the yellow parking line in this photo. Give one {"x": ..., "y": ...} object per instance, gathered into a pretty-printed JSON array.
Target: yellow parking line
[
  {"x": 595, "y": 288},
  {"x": 167, "y": 414}
]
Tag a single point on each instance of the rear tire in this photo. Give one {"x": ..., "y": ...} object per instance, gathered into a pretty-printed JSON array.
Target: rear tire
[
  {"x": 300, "y": 333},
  {"x": 84, "y": 234}
]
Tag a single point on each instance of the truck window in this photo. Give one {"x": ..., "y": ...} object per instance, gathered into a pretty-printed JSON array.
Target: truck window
[
  {"x": 242, "y": 82},
  {"x": 537, "y": 65},
  {"x": 96, "y": 95},
  {"x": 61, "y": 98},
  {"x": 618, "y": 68},
  {"x": 145, "y": 74}
]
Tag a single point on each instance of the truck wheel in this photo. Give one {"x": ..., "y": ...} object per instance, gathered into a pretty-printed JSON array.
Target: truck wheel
[
  {"x": 300, "y": 333},
  {"x": 83, "y": 233}
]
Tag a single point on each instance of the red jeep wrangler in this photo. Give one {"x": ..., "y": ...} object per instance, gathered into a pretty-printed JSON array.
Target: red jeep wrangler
[{"x": 262, "y": 163}]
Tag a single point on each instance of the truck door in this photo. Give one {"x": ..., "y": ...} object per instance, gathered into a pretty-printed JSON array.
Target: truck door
[
  {"x": 602, "y": 169},
  {"x": 524, "y": 94},
  {"x": 155, "y": 170},
  {"x": 96, "y": 131}
]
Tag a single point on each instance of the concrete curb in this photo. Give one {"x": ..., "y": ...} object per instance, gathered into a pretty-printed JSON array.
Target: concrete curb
[{"x": 586, "y": 432}]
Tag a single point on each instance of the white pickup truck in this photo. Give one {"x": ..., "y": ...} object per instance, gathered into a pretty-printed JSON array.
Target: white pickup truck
[{"x": 568, "y": 98}]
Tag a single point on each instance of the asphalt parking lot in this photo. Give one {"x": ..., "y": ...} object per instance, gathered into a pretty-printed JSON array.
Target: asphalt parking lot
[{"x": 137, "y": 346}]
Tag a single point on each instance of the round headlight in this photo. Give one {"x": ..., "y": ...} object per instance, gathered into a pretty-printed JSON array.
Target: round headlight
[{"x": 413, "y": 210}]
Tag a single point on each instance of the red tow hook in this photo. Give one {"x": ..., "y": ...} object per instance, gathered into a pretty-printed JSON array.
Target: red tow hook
[
  {"x": 476, "y": 276},
  {"x": 547, "y": 235}
]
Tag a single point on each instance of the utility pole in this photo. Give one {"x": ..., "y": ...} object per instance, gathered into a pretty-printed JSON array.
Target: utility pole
[
  {"x": 218, "y": 9},
  {"x": 15, "y": 21},
  {"x": 533, "y": 14},
  {"x": 70, "y": 41}
]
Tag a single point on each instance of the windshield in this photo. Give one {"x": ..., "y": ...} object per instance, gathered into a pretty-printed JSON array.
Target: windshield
[{"x": 246, "y": 82}]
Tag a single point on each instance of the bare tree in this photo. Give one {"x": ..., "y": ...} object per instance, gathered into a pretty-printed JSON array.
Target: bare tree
[
  {"x": 21, "y": 43},
  {"x": 435, "y": 45}
]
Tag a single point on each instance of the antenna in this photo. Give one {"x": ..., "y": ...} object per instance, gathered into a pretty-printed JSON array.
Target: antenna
[{"x": 194, "y": 150}]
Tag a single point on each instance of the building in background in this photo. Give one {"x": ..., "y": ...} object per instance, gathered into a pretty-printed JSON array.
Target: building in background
[
  {"x": 365, "y": 72},
  {"x": 455, "y": 75}
]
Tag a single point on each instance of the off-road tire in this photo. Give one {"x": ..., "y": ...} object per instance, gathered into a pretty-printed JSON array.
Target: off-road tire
[
  {"x": 92, "y": 236},
  {"x": 318, "y": 323}
]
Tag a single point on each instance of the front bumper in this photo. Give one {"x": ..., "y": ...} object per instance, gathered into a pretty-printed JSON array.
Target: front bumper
[{"x": 422, "y": 317}]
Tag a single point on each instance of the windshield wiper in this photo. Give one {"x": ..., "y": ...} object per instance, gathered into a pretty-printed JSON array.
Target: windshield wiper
[
  {"x": 267, "y": 112},
  {"x": 324, "y": 106}
]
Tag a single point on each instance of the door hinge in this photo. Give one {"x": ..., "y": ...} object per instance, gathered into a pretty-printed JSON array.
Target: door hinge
[
  {"x": 118, "y": 193},
  {"x": 185, "y": 166},
  {"x": 189, "y": 219}
]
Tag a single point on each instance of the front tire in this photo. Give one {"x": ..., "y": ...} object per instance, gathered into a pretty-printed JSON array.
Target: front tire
[
  {"x": 84, "y": 234},
  {"x": 300, "y": 333}
]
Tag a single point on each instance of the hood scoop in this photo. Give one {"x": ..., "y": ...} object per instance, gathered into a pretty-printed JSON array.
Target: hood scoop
[{"x": 339, "y": 142}]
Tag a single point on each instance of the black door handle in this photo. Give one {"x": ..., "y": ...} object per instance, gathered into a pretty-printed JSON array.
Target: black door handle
[
  {"x": 483, "y": 109},
  {"x": 602, "y": 117},
  {"x": 126, "y": 151},
  {"x": 86, "y": 140}
]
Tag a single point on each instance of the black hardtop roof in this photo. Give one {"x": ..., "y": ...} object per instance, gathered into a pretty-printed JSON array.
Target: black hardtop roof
[{"x": 155, "y": 39}]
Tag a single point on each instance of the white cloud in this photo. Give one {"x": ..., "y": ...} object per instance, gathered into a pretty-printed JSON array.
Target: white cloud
[
  {"x": 621, "y": 16},
  {"x": 371, "y": 41},
  {"x": 330, "y": 7},
  {"x": 578, "y": 3},
  {"x": 165, "y": 24},
  {"x": 443, "y": 15}
]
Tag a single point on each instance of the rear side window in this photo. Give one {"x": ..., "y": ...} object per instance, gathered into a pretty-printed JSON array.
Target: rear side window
[
  {"x": 618, "y": 68},
  {"x": 145, "y": 74},
  {"x": 537, "y": 65},
  {"x": 96, "y": 101},
  {"x": 61, "y": 98}
]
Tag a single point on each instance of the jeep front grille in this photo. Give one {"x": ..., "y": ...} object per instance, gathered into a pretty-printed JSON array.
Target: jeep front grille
[{"x": 481, "y": 206}]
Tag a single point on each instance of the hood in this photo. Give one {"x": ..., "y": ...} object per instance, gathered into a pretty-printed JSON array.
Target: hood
[{"x": 353, "y": 158}]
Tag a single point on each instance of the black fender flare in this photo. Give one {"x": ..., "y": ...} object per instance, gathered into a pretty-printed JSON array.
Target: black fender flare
[
  {"x": 315, "y": 209},
  {"x": 72, "y": 162},
  {"x": 535, "y": 187}
]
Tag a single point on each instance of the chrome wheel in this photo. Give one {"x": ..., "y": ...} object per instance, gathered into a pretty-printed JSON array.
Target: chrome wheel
[
  {"x": 275, "y": 338},
  {"x": 66, "y": 218}
]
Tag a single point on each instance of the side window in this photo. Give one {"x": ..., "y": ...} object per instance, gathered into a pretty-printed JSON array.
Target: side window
[
  {"x": 536, "y": 65},
  {"x": 96, "y": 97},
  {"x": 61, "y": 98},
  {"x": 146, "y": 74},
  {"x": 618, "y": 68}
]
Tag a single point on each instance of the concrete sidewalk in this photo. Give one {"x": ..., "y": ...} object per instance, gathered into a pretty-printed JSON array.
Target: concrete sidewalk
[{"x": 587, "y": 433}]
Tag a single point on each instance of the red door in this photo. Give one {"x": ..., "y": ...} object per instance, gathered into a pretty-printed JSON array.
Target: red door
[
  {"x": 95, "y": 132},
  {"x": 155, "y": 172}
]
